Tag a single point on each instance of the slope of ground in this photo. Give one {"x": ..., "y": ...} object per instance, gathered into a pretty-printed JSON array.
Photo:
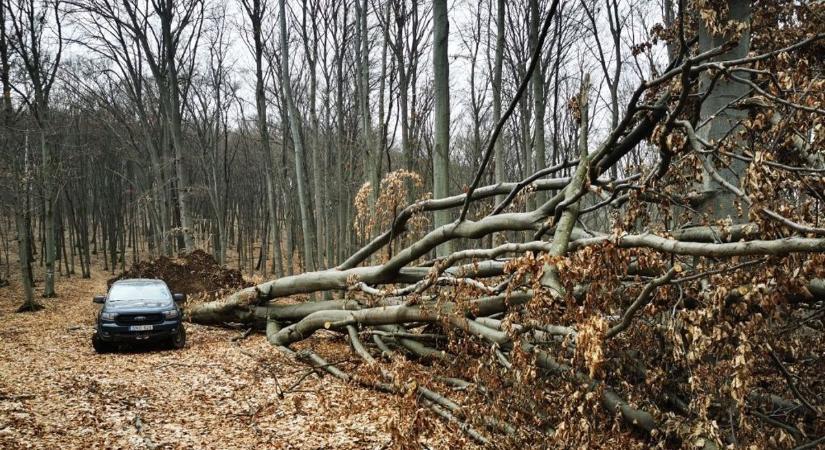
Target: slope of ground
[{"x": 55, "y": 392}]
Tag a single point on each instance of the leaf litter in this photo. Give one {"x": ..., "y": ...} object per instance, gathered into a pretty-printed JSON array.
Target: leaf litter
[{"x": 56, "y": 392}]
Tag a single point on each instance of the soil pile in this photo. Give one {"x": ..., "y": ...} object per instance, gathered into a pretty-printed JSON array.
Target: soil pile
[{"x": 193, "y": 273}]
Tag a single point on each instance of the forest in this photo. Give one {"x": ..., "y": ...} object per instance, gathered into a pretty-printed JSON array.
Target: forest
[{"x": 527, "y": 224}]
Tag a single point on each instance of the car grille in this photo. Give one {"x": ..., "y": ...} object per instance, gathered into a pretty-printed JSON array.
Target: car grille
[{"x": 139, "y": 319}]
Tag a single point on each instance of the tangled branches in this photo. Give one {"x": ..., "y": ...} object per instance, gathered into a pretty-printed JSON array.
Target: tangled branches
[{"x": 682, "y": 306}]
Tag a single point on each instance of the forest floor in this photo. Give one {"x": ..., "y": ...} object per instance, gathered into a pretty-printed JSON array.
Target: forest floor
[{"x": 56, "y": 392}]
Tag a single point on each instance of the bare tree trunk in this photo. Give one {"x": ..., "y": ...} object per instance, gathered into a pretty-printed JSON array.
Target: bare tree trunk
[
  {"x": 399, "y": 49},
  {"x": 314, "y": 144},
  {"x": 382, "y": 87},
  {"x": 277, "y": 256},
  {"x": 501, "y": 157},
  {"x": 48, "y": 210},
  {"x": 372, "y": 163},
  {"x": 340, "y": 198},
  {"x": 173, "y": 117},
  {"x": 29, "y": 303},
  {"x": 23, "y": 224},
  {"x": 538, "y": 99},
  {"x": 719, "y": 202},
  {"x": 441, "y": 156},
  {"x": 255, "y": 11},
  {"x": 27, "y": 27},
  {"x": 297, "y": 141}
]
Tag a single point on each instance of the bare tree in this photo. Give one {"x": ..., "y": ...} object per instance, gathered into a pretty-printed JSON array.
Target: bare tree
[
  {"x": 497, "y": 73},
  {"x": 256, "y": 12},
  {"x": 537, "y": 84},
  {"x": 441, "y": 74},
  {"x": 298, "y": 143},
  {"x": 31, "y": 42},
  {"x": 180, "y": 25},
  {"x": 212, "y": 94}
]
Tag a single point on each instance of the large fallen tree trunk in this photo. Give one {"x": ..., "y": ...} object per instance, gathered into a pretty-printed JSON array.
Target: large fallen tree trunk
[{"x": 242, "y": 306}]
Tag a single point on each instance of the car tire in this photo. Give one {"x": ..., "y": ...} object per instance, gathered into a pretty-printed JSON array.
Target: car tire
[
  {"x": 99, "y": 345},
  {"x": 178, "y": 341}
]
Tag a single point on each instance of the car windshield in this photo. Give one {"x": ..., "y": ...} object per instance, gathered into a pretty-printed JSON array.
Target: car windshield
[{"x": 147, "y": 291}]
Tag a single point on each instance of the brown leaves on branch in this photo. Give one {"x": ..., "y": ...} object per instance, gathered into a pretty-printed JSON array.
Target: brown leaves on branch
[{"x": 395, "y": 191}]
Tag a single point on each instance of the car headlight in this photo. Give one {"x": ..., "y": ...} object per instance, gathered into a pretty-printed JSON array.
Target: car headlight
[
  {"x": 171, "y": 314},
  {"x": 108, "y": 315}
]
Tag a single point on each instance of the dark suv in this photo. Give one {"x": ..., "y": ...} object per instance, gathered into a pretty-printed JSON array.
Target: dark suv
[{"x": 139, "y": 310}]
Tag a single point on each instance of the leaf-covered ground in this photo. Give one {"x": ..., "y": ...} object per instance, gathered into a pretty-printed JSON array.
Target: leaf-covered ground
[{"x": 55, "y": 392}]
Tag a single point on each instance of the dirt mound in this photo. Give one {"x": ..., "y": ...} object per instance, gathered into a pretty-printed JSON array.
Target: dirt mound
[{"x": 194, "y": 273}]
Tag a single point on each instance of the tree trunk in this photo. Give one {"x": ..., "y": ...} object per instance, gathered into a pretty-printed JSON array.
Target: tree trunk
[
  {"x": 500, "y": 175},
  {"x": 48, "y": 213},
  {"x": 537, "y": 82},
  {"x": 721, "y": 203},
  {"x": 29, "y": 303},
  {"x": 441, "y": 72},
  {"x": 297, "y": 141},
  {"x": 314, "y": 143}
]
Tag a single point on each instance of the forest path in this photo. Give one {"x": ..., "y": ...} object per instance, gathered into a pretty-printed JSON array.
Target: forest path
[{"x": 56, "y": 392}]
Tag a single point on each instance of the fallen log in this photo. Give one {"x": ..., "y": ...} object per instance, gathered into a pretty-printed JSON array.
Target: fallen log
[
  {"x": 393, "y": 315},
  {"x": 241, "y": 306}
]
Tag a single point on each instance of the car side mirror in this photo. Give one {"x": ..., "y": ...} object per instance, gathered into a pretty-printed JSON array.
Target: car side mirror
[
  {"x": 179, "y": 297},
  {"x": 99, "y": 299}
]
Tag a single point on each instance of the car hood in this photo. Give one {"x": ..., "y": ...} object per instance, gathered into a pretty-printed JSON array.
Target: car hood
[{"x": 139, "y": 305}]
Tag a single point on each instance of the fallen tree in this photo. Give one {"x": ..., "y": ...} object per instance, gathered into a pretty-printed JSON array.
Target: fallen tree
[{"x": 662, "y": 315}]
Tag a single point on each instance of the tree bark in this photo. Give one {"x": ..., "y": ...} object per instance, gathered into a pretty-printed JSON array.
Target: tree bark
[
  {"x": 539, "y": 145},
  {"x": 298, "y": 144},
  {"x": 721, "y": 203},
  {"x": 441, "y": 73},
  {"x": 501, "y": 156}
]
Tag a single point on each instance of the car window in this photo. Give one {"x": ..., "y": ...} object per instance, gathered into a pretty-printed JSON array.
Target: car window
[{"x": 154, "y": 292}]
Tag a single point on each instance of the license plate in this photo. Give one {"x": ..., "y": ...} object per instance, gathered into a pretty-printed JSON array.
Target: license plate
[{"x": 140, "y": 328}]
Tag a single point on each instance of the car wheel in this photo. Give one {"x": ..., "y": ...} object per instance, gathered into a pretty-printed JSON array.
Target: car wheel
[
  {"x": 178, "y": 341},
  {"x": 99, "y": 345}
]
